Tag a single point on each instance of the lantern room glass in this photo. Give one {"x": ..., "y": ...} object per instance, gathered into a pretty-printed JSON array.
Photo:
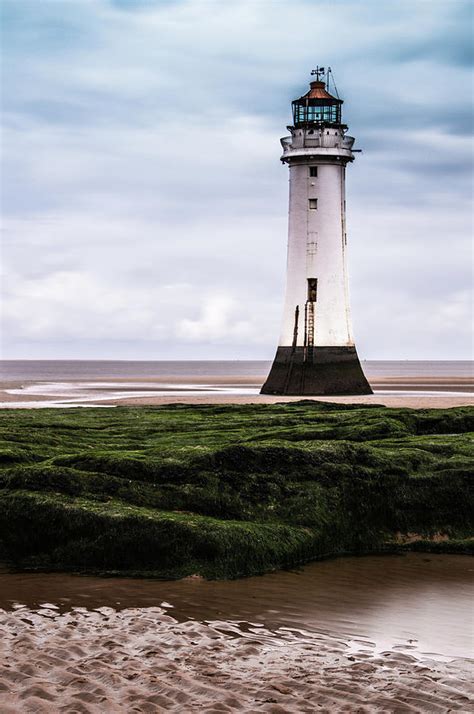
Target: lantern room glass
[{"x": 315, "y": 112}]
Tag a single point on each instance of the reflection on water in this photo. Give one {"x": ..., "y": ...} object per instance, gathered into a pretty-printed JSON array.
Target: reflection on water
[{"x": 416, "y": 601}]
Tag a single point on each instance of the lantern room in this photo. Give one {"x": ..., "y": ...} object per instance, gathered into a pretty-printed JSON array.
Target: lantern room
[{"x": 317, "y": 107}]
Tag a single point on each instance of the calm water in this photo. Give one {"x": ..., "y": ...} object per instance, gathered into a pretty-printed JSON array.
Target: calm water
[
  {"x": 415, "y": 602},
  {"x": 45, "y": 370}
]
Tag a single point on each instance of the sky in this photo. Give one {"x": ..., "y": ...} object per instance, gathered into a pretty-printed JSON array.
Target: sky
[{"x": 144, "y": 206}]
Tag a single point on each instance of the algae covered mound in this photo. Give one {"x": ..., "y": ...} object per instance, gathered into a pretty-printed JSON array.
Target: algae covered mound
[{"x": 225, "y": 491}]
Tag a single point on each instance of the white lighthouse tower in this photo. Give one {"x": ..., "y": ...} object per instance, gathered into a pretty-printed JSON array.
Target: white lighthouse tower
[{"x": 316, "y": 353}]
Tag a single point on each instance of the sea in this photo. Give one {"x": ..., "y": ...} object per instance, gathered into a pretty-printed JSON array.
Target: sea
[{"x": 44, "y": 370}]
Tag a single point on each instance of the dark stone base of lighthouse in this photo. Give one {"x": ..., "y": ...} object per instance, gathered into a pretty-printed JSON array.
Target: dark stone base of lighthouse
[{"x": 316, "y": 371}]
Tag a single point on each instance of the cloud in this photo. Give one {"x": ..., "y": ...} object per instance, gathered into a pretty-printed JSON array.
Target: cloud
[
  {"x": 220, "y": 321},
  {"x": 143, "y": 198},
  {"x": 73, "y": 305}
]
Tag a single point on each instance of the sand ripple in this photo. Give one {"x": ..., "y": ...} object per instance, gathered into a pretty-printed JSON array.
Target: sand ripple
[{"x": 143, "y": 660}]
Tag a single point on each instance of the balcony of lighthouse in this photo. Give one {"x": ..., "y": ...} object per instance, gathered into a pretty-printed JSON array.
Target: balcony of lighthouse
[{"x": 325, "y": 141}]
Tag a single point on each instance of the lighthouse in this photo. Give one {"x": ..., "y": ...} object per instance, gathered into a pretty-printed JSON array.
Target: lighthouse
[{"x": 316, "y": 353}]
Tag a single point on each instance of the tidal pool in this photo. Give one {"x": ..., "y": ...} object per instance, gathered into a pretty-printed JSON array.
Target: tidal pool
[{"x": 416, "y": 602}]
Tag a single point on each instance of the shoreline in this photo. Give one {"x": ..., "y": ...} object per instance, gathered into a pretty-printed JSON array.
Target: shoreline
[{"x": 392, "y": 391}]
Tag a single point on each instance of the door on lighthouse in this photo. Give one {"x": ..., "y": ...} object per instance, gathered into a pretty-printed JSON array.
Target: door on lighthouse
[{"x": 312, "y": 289}]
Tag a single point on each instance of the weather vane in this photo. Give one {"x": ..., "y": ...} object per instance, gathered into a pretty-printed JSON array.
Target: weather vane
[{"x": 319, "y": 72}]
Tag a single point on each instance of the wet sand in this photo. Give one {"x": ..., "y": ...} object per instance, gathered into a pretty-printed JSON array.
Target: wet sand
[
  {"x": 349, "y": 635},
  {"x": 145, "y": 661}
]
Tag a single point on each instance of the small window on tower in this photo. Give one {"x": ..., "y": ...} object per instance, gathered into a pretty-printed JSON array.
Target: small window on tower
[
  {"x": 313, "y": 171},
  {"x": 313, "y": 203}
]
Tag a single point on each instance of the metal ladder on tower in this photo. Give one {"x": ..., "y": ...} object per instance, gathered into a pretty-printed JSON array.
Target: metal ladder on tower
[
  {"x": 308, "y": 339},
  {"x": 309, "y": 328}
]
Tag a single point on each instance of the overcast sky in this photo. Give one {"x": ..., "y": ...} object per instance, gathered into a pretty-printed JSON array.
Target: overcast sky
[{"x": 144, "y": 203}]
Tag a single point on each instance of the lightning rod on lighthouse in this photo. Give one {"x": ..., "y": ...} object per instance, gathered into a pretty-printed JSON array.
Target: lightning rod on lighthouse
[{"x": 316, "y": 353}]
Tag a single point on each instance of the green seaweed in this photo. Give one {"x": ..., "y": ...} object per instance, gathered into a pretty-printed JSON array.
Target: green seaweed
[{"x": 230, "y": 490}]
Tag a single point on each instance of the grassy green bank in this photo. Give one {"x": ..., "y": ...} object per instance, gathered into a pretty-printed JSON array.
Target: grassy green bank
[{"x": 226, "y": 491}]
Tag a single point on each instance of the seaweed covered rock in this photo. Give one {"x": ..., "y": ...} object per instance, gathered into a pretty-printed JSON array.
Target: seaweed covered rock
[{"x": 227, "y": 491}]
